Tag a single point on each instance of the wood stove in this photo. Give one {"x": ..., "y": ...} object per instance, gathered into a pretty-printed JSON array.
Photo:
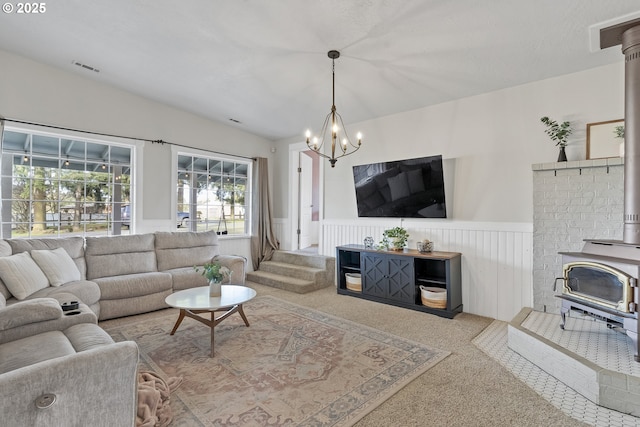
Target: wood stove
[{"x": 602, "y": 281}]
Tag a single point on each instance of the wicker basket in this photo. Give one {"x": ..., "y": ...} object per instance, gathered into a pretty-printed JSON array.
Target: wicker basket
[
  {"x": 433, "y": 297},
  {"x": 354, "y": 282}
]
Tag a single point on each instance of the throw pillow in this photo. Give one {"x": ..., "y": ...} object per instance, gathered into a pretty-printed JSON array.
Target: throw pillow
[
  {"x": 21, "y": 275},
  {"x": 57, "y": 265},
  {"x": 399, "y": 186}
]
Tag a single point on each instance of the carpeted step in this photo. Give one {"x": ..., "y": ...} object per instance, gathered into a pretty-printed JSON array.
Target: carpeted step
[
  {"x": 316, "y": 261},
  {"x": 292, "y": 284},
  {"x": 292, "y": 270},
  {"x": 295, "y": 272}
]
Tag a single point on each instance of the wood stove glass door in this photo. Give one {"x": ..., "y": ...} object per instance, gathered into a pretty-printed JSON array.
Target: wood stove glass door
[{"x": 599, "y": 284}]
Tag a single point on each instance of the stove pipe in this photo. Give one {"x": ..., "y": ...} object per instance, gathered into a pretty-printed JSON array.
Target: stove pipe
[{"x": 631, "y": 51}]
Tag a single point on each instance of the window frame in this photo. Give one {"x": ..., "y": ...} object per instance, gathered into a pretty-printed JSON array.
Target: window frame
[
  {"x": 81, "y": 137},
  {"x": 177, "y": 151}
]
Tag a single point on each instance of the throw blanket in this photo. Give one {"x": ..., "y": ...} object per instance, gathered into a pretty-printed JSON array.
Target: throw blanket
[{"x": 153, "y": 399}]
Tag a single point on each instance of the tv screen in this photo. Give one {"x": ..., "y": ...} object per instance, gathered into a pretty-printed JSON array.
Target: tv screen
[{"x": 412, "y": 188}]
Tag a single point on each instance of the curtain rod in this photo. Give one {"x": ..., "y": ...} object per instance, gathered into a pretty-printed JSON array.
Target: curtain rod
[{"x": 153, "y": 141}]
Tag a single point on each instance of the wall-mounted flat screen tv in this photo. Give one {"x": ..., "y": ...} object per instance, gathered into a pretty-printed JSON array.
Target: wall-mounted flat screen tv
[{"x": 412, "y": 188}]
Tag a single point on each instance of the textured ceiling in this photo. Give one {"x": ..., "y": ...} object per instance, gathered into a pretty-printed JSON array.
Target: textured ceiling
[{"x": 264, "y": 63}]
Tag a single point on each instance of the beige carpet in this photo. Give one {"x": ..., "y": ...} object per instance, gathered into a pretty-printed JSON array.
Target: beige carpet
[{"x": 292, "y": 366}]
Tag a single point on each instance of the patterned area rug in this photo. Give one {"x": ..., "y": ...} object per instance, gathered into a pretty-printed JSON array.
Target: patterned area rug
[{"x": 293, "y": 366}]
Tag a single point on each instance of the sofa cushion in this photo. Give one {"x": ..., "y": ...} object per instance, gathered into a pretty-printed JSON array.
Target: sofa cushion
[
  {"x": 84, "y": 291},
  {"x": 133, "y": 285},
  {"x": 120, "y": 255},
  {"x": 38, "y": 315},
  {"x": 87, "y": 336},
  {"x": 33, "y": 349},
  {"x": 57, "y": 265},
  {"x": 28, "y": 312},
  {"x": 186, "y": 278},
  {"x": 112, "y": 308},
  {"x": 185, "y": 249},
  {"x": 21, "y": 275},
  {"x": 73, "y": 245}
]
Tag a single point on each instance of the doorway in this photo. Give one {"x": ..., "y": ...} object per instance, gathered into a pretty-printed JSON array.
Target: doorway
[{"x": 304, "y": 199}]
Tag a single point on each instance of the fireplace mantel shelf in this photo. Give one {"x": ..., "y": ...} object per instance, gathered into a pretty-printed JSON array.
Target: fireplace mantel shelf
[{"x": 579, "y": 164}]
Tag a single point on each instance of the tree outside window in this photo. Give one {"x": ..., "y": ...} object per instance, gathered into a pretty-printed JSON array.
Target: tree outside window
[{"x": 54, "y": 186}]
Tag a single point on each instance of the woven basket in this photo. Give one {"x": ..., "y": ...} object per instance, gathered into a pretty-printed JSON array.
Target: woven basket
[
  {"x": 354, "y": 282},
  {"x": 433, "y": 297}
]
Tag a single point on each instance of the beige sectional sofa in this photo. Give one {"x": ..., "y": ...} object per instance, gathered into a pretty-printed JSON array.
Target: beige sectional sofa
[
  {"x": 125, "y": 275},
  {"x": 45, "y": 351}
]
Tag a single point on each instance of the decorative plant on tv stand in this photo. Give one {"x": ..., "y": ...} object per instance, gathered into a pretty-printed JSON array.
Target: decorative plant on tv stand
[
  {"x": 394, "y": 239},
  {"x": 559, "y": 133}
]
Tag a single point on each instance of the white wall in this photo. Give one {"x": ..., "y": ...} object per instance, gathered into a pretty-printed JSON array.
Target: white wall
[
  {"x": 34, "y": 92},
  {"x": 491, "y": 140}
]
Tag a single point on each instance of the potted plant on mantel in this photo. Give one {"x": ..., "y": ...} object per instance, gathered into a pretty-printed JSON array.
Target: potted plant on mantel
[
  {"x": 558, "y": 132},
  {"x": 618, "y": 131},
  {"x": 396, "y": 237}
]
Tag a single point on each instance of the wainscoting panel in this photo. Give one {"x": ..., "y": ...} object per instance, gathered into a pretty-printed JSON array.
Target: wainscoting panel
[
  {"x": 281, "y": 228},
  {"x": 496, "y": 257}
]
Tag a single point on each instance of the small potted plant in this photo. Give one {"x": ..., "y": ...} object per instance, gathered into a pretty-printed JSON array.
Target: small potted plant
[
  {"x": 215, "y": 273},
  {"x": 559, "y": 133},
  {"x": 396, "y": 237}
]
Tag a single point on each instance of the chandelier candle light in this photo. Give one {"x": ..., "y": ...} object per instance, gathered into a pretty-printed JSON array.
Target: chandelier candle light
[{"x": 333, "y": 123}]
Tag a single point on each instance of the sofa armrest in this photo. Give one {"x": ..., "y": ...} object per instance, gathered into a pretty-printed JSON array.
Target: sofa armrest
[
  {"x": 29, "y": 311},
  {"x": 96, "y": 387},
  {"x": 236, "y": 264},
  {"x": 38, "y": 315}
]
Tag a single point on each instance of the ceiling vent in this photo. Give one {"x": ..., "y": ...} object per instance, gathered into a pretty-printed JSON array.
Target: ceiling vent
[{"x": 85, "y": 66}]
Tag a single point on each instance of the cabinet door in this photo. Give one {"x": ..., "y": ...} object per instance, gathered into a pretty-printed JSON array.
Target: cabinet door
[
  {"x": 388, "y": 277},
  {"x": 401, "y": 282},
  {"x": 374, "y": 275}
]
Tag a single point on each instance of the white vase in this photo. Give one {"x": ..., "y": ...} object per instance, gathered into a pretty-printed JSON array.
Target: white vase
[{"x": 215, "y": 288}]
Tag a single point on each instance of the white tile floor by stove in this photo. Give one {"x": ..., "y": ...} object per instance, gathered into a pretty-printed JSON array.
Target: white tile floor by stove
[{"x": 586, "y": 338}]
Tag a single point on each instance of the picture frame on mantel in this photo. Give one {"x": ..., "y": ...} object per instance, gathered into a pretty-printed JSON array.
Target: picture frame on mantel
[{"x": 601, "y": 140}]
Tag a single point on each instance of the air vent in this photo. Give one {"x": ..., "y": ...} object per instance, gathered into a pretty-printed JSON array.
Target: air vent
[{"x": 85, "y": 66}]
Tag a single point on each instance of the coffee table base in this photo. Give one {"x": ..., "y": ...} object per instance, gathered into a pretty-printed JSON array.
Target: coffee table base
[{"x": 210, "y": 323}]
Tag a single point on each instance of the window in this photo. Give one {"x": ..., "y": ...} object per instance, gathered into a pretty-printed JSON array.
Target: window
[
  {"x": 52, "y": 185},
  {"x": 213, "y": 194}
]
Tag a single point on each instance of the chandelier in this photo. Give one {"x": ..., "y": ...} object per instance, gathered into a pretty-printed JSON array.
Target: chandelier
[{"x": 333, "y": 128}]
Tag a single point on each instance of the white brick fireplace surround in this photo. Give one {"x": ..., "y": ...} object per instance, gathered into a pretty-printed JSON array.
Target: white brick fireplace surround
[{"x": 572, "y": 201}]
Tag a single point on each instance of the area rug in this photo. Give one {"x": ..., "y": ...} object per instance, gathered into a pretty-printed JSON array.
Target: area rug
[{"x": 293, "y": 366}]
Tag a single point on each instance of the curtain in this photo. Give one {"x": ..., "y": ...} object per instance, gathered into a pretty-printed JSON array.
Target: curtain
[{"x": 263, "y": 239}]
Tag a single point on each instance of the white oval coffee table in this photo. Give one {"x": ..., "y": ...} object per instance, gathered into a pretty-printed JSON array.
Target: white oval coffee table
[{"x": 194, "y": 301}]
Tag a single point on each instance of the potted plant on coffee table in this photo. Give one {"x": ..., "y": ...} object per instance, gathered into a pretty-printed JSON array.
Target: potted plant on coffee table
[{"x": 215, "y": 273}]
